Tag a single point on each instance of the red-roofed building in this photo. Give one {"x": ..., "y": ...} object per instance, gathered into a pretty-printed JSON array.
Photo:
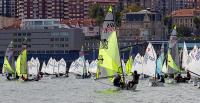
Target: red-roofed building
[{"x": 184, "y": 17}]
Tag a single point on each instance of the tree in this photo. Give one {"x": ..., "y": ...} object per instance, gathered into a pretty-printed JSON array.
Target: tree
[
  {"x": 197, "y": 25},
  {"x": 132, "y": 8},
  {"x": 97, "y": 13},
  {"x": 184, "y": 31},
  {"x": 168, "y": 22}
]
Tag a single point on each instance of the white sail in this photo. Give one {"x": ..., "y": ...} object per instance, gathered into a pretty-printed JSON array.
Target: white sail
[
  {"x": 38, "y": 63},
  {"x": 72, "y": 66},
  {"x": 93, "y": 66},
  {"x": 150, "y": 61},
  {"x": 137, "y": 64},
  {"x": 55, "y": 69},
  {"x": 194, "y": 60},
  {"x": 87, "y": 65},
  {"x": 184, "y": 56},
  {"x": 43, "y": 67},
  {"x": 191, "y": 58},
  {"x": 33, "y": 66},
  {"x": 123, "y": 66},
  {"x": 62, "y": 66},
  {"x": 78, "y": 66},
  {"x": 50, "y": 66}
]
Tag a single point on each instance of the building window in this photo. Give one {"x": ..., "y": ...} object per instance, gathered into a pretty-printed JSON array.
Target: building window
[
  {"x": 19, "y": 40},
  {"x": 24, "y": 34},
  {"x": 66, "y": 45},
  {"x": 61, "y": 39},
  {"x": 19, "y": 46},
  {"x": 15, "y": 46},
  {"x": 15, "y": 34},
  {"x": 29, "y": 40},
  {"x": 62, "y": 45},
  {"x": 15, "y": 40},
  {"x": 47, "y": 22},
  {"x": 38, "y": 22},
  {"x": 28, "y": 34},
  {"x": 56, "y": 39},
  {"x": 66, "y": 39},
  {"x": 19, "y": 34},
  {"x": 52, "y": 39}
]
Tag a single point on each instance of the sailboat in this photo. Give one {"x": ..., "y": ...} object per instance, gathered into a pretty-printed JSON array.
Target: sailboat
[
  {"x": 150, "y": 58},
  {"x": 184, "y": 57},
  {"x": 50, "y": 67},
  {"x": 123, "y": 66},
  {"x": 150, "y": 65},
  {"x": 137, "y": 64},
  {"x": 44, "y": 67},
  {"x": 62, "y": 67},
  {"x": 109, "y": 62},
  {"x": 33, "y": 67},
  {"x": 129, "y": 64},
  {"x": 21, "y": 65},
  {"x": 80, "y": 67},
  {"x": 193, "y": 62},
  {"x": 93, "y": 67},
  {"x": 159, "y": 62},
  {"x": 8, "y": 66}
]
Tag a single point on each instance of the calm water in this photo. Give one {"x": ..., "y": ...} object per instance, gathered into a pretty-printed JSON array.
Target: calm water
[{"x": 71, "y": 90}]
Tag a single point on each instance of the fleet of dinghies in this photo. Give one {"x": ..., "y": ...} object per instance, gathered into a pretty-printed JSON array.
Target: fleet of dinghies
[
  {"x": 54, "y": 67},
  {"x": 108, "y": 63},
  {"x": 33, "y": 66}
]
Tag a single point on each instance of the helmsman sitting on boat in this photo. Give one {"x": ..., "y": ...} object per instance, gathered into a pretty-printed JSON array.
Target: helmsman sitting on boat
[
  {"x": 118, "y": 81},
  {"x": 134, "y": 81}
]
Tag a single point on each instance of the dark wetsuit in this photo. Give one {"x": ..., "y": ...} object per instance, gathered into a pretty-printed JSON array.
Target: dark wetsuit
[
  {"x": 162, "y": 79},
  {"x": 179, "y": 78},
  {"x": 134, "y": 81},
  {"x": 116, "y": 81}
]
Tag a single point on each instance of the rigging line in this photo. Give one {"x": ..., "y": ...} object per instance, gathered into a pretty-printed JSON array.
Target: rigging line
[{"x": 194, "y": 73}]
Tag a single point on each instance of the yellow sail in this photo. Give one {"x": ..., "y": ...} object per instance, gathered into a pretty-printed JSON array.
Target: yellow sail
[
  {"x": 108, "y": 59},
  {"x": 7, "y": 67},
  {"x": 18, "y": 65},
  {"x": 129, "y": 65},
  {"x": 110, "y": 56},
  {"x": 24, "y": 62},
  {"x": 171, "y": 63}
]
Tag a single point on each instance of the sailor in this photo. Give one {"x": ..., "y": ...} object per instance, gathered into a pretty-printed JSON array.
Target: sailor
[
  {"x": 23, "y": 78},
  {"x": 8, "y": 75},
  {"x": 134, "y": 81},
  {"x": 188, "y": 77},
  {"x": 162, "y": 79},
  {"x": 89, "y": 75},
  {"x": 178, "y": 78},
  {"x": 117, "y": 80}
]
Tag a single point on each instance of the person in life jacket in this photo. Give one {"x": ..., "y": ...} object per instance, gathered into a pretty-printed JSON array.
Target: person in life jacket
[
  {"x": 179, "y": 78},
  {"x": 117, "y": 81},
  {"x": 23, "y": 78},
  {"x": 162, "y": 79},
  {"x": 188, "y": 77},
  {"x": 134, "y": 81}
]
